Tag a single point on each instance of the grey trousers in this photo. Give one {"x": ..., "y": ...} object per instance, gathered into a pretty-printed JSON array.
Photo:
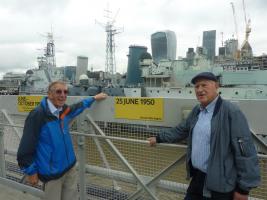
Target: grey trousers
[{"x": 64, "y": 188}]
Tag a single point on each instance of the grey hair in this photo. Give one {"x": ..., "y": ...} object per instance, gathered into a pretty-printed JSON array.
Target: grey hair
[{"x": 51, "y": 85}]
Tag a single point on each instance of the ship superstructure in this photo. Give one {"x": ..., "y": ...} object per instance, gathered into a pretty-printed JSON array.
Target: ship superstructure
[
  {"x": 244, "y": 79},
  {"x": 37, "y": 80}
]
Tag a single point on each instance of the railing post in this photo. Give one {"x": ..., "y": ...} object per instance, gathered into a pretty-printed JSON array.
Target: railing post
[
  {"x": 152, "y": 188},
  {"x": 81, "y": 166},
  {"x": 122, "y": 159},
  {"x": 2, "y": 153},
  {"x": 81, "y": 158}
]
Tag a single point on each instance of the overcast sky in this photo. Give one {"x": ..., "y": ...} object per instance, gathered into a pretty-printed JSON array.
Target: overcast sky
[{"x": 23, "y": 22}]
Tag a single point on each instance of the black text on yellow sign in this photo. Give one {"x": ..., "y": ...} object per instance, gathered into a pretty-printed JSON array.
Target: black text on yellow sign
[
  {"x": 27, "y": 103},
  {"x": 139, "y": 108}
]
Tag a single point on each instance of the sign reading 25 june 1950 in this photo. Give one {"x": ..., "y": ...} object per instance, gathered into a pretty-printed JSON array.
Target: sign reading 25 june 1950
[
  {"x": 139, "y": 108},
  {"x": 27, "y": 103}
]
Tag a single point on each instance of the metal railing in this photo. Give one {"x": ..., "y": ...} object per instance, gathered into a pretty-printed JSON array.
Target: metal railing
[
  {"x": 106, "y": 171},
  {"x": 115, "y": 162}
]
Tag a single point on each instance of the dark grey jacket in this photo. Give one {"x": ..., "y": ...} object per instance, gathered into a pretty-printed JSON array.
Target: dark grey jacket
[{"x": 233, "y": 162}]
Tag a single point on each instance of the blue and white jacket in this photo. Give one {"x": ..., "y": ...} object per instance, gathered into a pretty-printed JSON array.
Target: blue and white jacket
[{"x": 46, "y": 146}]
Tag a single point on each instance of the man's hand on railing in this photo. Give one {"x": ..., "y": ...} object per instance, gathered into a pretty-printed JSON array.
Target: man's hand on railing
[
  {"x": 33, "y": 179},
  {"x": 100, "y": 96},
  {"x": 152, "y": 141}
]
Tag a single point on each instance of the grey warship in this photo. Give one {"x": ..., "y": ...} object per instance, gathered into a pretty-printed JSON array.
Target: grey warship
[{"x": 241, "y": 74}]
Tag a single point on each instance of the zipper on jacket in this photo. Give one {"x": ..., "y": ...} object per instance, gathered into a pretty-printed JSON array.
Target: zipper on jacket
[
  {"x": 211, "y": 142},
  {"x": 240, "y": 142},
  {"x": 50, "y": 164},
  {"x": 62, "y": 131}
]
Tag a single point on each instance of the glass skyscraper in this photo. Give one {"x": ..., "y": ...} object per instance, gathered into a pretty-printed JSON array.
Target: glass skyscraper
[
  {"x": 163, "y": 45},
  {"x": 209, "y": 43}
]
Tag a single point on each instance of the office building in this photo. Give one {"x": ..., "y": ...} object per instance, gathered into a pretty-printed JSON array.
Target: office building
[
  {"x": 163, "y": 45},
  {"x": 209, "y": 43},
  {"x": 82, "y": 66}
]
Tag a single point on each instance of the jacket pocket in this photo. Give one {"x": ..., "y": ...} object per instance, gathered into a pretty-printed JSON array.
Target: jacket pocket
[{"x": 245, "y": 146}]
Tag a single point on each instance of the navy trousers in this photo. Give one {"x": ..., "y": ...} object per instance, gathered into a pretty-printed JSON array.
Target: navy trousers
[{"x": 195, "y": 189}]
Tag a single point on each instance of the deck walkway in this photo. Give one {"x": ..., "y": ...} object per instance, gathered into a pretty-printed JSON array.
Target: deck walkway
[{"x": 8, "y": 193}]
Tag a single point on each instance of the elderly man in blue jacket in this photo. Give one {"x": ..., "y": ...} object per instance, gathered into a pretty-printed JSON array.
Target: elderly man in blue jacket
[
  {"x": 46, "y": 151},
  {"x": 221, "y": 158}
]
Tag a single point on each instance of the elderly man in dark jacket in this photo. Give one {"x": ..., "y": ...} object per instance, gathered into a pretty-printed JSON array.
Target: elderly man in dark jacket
[{"x": 221, "y": 158}]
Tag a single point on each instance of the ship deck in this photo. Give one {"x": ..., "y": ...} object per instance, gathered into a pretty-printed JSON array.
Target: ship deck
[
  {"x": 115, "y": 159},
  {"x": 9, "y": 193}
]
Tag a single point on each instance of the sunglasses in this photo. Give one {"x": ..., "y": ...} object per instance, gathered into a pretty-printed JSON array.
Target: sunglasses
[{"x": 61, "y": 92}]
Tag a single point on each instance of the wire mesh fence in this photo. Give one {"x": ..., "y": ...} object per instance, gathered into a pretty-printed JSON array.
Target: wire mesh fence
[{"x": 107, "y": 176}]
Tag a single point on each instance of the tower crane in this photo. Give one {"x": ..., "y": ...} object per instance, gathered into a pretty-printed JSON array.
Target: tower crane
[
  {"x": 234, "y": 15},
  {"x": 222, "y": 38},
  {"x": 246, "y": 50},
  {"x": 247, "y": 21},
  {"x": 237, "y": 52}
]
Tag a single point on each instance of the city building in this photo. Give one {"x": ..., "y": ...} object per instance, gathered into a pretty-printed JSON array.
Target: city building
[
  {"x": 70, "y": 73},
  {"x": 163, "y": 45},
  {"x": 231, "y": 48},
  {"x": 209, "y": 43},
  {"x": 82, "y": 66}
]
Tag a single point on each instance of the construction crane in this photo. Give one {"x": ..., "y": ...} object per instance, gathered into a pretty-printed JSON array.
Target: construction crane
[
  {"x": 246, "y": 50},
  {"x": 247, "y": 22},
  {"x": 222, "y": 38},
  {"x": 237, "y": 52},
  {"x": 236, "y": 29}
]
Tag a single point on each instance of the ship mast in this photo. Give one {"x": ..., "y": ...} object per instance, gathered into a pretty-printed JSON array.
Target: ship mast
[
  {"x": 48, "y": 59},
  {"x": 50, "y": 50},
  {"x": 111, "y": 31}
]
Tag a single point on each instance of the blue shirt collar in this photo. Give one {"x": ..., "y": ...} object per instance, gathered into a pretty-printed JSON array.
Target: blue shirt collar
[
  {"x": 210, "y": 107},
  {"x": 55, "y": 111}
]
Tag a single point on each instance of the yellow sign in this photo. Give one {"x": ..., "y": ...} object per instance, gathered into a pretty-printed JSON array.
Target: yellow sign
[
  {"x": 27, "y": 103},
  {"x": 139, "y": 108}
]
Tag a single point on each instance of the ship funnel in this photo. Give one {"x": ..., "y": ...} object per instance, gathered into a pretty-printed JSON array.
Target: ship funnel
[{"x": 133, "y": 77}]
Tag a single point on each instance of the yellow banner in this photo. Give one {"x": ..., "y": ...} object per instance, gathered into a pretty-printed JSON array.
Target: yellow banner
[
  {"x": 27, "y": 103},
  {"x": 139, "y": 108}
]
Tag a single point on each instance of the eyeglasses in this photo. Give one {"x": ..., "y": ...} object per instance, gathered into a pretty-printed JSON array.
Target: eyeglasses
[{"x": 61, "y": 92}]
